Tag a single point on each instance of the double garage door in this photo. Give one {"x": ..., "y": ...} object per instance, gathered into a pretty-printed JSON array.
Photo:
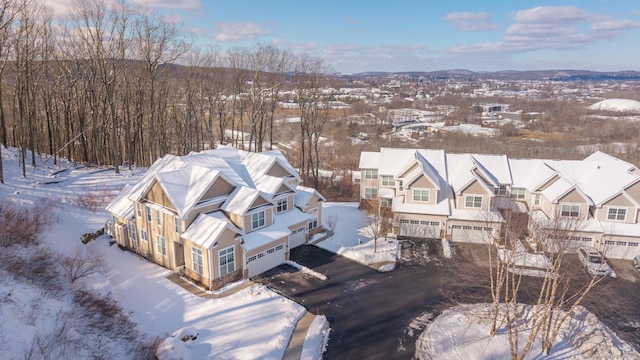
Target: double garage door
[
  {"x": 265, "y": 260},
  {"x": 471, "y": 234},
  {"x": 420, "y": 229}
]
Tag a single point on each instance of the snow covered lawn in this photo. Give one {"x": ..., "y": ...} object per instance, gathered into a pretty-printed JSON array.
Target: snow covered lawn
[
  {"x": 350, "y": 237},
  {"x": 462, "y": 333},
  {"x": 250, "y": 324}
]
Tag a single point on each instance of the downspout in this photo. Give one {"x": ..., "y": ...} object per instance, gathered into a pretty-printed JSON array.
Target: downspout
[{"x": 210, "y": 267}]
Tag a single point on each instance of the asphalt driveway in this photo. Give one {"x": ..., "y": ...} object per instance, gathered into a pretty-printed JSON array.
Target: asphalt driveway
[{"x": 370, "y": 313}]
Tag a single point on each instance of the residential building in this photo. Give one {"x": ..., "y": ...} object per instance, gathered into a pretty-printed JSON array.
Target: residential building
[
  {"x": 217, "y": 215},
  {"x": 463, "y": 197}
]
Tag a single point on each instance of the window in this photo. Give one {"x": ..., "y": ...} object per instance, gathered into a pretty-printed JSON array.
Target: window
[
  {"x": 158, "y": 217},
  {"x": 400, "y": 185},
  {"x": 371, "y": 174},
  {"x": 139, "y": 209},
  {"x": 257, "y": 220},
  {"x": 161, "y": 244},
  {"x": 148, "y": 210},
  {"x": 617, "y": 214},
  {"x": 282, "y": 205},
  {"x": 500, "y": 190},
  {"x": 312, "y": 223},
  {"x": 227, "y": 261},
  {"x": 131, "y": 228},
  {"x": 570, "y": 210},
  {"x": 634, "y": 244},
  {"x": 609, "y": 242},
  {"x": 196, "y": 260},
  {"x": 388, "y": 180},
  {"x": 420, "y": 195},
  {"x": 176, "y": 224},
  {"x": 536, "y": 199},
  {"x": 114, "y": 220},
  {"x": 621, "y": 243},
  {"x": 473, "y": 201},
  {"x": 517, "y": 193},
  {"x": 384, "y": 202},
  {"x": 143, "y": 235},
  {"x": 370, "y": 193}
]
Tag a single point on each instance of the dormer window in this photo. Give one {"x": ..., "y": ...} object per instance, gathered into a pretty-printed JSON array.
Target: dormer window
[
  {"x": 257, "y": 220},
  {"x": 570, "y": 210},
  {"x": 421, "y": 195},
  {"x": 282, "y": 205}
]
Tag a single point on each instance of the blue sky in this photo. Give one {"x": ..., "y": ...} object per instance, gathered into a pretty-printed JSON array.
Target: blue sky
[{"x": 421, "y": 35}]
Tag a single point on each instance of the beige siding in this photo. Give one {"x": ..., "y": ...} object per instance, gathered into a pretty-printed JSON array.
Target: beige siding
[
  {"x": 268, "y": 219},
  {"x": 188, "y": 260},
  {"x": 475, "y": 189},
  {"x": 268, "y": 245},
  {"x": 219, "y": 188},
  {"x": 259, "y": 202},
  {"x": 421, "y": 182},
  {"x": 236, "y": 220},
  {"x": 574, "y": 197},
  {"x": 282, "y": 189},
  {"x": 156, "y": 195},
  {"x": 620, "y": 201},
  {"x": 278, "y": 171}
]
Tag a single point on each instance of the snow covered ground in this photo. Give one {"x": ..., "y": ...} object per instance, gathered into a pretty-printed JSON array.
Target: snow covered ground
[
  {"x": 253, "y": 323},
  {"x": 350, "y": 237},
  {"x": 462, "y": 333}
]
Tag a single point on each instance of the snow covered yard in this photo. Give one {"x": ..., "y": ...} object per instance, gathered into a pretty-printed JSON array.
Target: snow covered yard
[
  {"x": 350, "y": 237},
  {"x": 462, "y": 333},
  {"x": 250, "y": 324}
]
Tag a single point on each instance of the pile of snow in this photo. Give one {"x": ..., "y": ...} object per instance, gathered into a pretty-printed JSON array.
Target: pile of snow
[
  {"x": 446, "y": 248},
  {"x": 463, "y": 332},
  {"x": 306, "y": 270},
  {"x": 618, "y": 105},
  {"x": 317, "y": 338},
  {"x": 370, "y": 253},
  {"x": 387, "y": 268}
]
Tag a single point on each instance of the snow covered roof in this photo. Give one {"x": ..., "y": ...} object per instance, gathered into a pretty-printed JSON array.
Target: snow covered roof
[
  {"x": 618, "y": 105},
  {"x": 207, "y": 228},
  {"x": 440, "y": 208},
  {"x": 304, "y": 194},
  {"x": 241, "y": 200},
  {"x": 275, "y": 231},
  {"x": 184, "y": 187},
  {"x": 530, "y": 173},
  {"x": 121, "y": 205},
  {"x": 292, "y": 217},
  {"x": 369, "y": 160}
]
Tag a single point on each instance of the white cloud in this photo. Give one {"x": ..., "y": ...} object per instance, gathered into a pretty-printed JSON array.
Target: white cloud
[
  {"x": 614, "y": 25},
  {"x": 468, "y": 21},
  {"x": 240, "y": 31},
  {"x": 552, "y": 15}
]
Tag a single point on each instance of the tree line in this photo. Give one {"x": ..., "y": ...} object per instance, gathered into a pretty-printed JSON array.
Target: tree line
[{"x": 115, "y": 84}]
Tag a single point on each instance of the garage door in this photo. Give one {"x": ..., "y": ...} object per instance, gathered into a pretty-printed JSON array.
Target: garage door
[
  {"x": 265, "y": 260},
  {"x": 420, "y": 229},
  {"x": 298, "y": 237},
  {"x": 470, "y": 234},
  {"x": 620, "y": 249}
]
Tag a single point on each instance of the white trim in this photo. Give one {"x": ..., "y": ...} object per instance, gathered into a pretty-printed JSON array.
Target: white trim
[
  {"x": 422, "y": 190},
  {"x": 473, "y": 201}
]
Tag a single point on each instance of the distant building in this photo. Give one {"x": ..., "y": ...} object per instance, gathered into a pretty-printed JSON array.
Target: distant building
[{"x": 461, "y": 197}]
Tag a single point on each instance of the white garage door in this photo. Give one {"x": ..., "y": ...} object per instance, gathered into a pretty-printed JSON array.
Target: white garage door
[
  {"x": 420, "y": 229},
  {"x": 298, "y": 237},
  {"x": 470, "y": 234},
  {"x": 621, "y": 249},
  {"x": 265, "y": 260}
]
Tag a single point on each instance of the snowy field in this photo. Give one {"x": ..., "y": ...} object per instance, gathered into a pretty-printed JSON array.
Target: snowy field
[{"x": 251, "y": 324}]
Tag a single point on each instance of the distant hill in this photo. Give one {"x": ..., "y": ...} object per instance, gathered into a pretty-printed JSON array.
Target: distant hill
[{"x": 555, "y": 75}]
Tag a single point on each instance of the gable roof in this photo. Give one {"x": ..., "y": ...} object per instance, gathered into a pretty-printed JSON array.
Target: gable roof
[
  {"x": 369, "y": 160},
  {"x": 304, "y": 194},
  {"x": 185, "y": 187},
  {"x": 242, "y": 199},
  {"x": 207, "y": 228}
]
